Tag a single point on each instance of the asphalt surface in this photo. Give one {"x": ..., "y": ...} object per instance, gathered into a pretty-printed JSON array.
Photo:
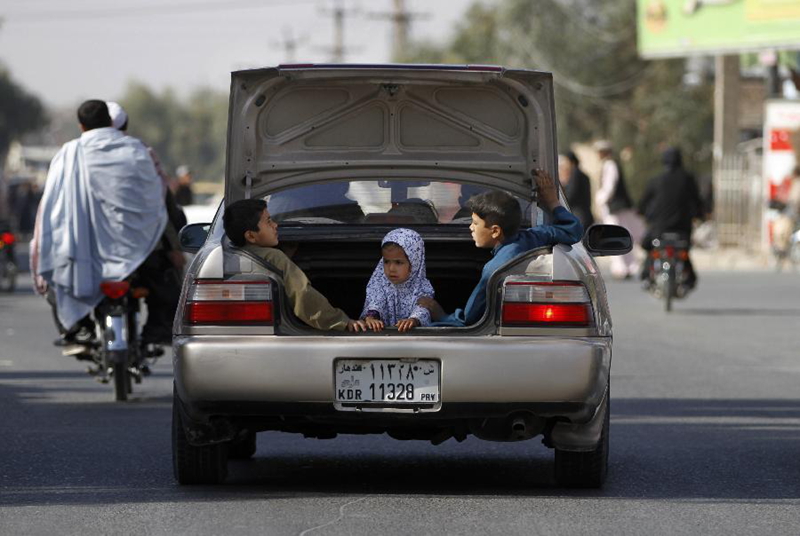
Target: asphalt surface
[{"x": 705, "y": 439}]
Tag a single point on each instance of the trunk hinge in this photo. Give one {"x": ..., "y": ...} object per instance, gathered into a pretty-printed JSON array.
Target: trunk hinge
[{"x": 248, "y": 183}]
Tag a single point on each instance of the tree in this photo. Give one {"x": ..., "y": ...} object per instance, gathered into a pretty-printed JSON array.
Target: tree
[
  {"x": 191, "y": 132},
  {"x": 20, "y": 112},
  {"x": 603, "y": 89}
]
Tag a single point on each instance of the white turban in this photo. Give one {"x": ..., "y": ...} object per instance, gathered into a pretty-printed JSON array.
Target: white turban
[
  {"x": 117, "y": 114},
  {"x": 600, "y": 145}
]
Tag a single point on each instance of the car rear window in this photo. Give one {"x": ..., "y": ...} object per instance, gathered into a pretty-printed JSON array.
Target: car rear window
[{"x": 378, "y": 201}]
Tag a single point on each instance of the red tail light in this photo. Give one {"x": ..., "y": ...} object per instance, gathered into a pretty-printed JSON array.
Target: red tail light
[
  {"x": 546, "y": 304},
  {"x": 229, "y": 302},
  {"x": 539, "y": 313},
  {"x": 114, "y": 289},
  {"x": 229, "y": 313},
  {"x": 8, "y": 238},
  {"x": 670, "y": 251}
]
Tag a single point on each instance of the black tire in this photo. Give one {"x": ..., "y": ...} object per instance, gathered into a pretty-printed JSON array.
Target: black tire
[
  {"x": 122, "y": 382},
  {"x": 11, "y": 277},
  {"x": 244, "y": 449},
  {"x": 135, "y": 360},
  {"x": 669, "y": 292},
  {"x": 585, "y": 469},
  {"x": 195, "y": 465},
  {"x": 128, "y": 380}
]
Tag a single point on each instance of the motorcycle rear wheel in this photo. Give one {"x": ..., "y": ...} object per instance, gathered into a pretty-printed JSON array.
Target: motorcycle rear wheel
[
  {"x": 669, "y": 290},
  {"x": 122, "y": 382}
]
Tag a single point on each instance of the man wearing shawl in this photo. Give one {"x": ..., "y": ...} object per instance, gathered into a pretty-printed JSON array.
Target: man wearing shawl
[
  {"x": 101, "y": 214},
  {"x": 162, "y": 271}
]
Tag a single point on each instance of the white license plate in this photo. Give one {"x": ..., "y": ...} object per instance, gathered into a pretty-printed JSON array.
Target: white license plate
[{"x": 386, "y": 382}]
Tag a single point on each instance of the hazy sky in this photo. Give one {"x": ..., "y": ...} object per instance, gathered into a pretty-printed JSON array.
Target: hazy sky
[{"x": 65, "y": 52}]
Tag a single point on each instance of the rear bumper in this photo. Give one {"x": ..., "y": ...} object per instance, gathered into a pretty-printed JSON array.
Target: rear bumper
[{"x": 480, "y": 376}]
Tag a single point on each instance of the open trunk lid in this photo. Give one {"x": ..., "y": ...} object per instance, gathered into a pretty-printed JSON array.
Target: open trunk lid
[{"x": 293, "y": 125}]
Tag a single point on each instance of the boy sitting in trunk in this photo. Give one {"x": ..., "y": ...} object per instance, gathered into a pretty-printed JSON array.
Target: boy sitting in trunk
[
  {"x": 496, "y": 217},
  {"x": 249, "y": 226}
]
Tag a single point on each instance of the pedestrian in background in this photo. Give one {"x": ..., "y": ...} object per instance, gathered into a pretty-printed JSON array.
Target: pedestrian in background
[
  {"x": 577, "y": 188},
  {"x": 183, "y": 189},
  {"x": 615, "y": 207}
]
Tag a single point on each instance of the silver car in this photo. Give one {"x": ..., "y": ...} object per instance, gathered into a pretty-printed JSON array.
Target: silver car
[{"x": 343, "y": 154}]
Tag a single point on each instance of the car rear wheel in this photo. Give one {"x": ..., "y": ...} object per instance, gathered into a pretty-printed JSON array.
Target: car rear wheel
[
  {"x": 585, "y": 469},
  {"x": 195, "y": 465},
  {"x": 244, "y": 449}
]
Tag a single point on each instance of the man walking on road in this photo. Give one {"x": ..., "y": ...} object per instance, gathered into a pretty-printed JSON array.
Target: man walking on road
[
  {"x": 615, "y": 207},
  {"x": 577, "y": 187},
  {"x": 101, "y": 214}
]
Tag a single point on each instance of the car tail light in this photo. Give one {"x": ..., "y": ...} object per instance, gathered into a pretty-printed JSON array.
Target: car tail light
[
  {"x": 546, "y": 304},
  {"x": 114, "y": 289},
  {"x": 229, "y": 302},
  {"x": 8, "y": 238}
]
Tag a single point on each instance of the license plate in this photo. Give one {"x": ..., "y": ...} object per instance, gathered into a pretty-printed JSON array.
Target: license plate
[{"x": 386, "y": 382}]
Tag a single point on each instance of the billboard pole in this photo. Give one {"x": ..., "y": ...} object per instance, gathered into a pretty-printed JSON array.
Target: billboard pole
[
  {"x": 726, "y": 106},
  {"x": 726, "y": 128}
]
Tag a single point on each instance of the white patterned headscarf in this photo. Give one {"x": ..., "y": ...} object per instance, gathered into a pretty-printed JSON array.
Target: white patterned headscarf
[{"x": 396, "y": 302}]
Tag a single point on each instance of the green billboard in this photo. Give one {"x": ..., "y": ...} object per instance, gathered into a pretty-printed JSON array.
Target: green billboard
[{"x": 675, "y": 28}]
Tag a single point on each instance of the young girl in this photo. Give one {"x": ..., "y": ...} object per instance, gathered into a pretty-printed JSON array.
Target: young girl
[{"x": 397, "y": 283}]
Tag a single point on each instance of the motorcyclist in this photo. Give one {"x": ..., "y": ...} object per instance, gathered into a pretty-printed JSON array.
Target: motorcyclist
[
  {"x": 161, "y": 272},
  {"x": 786, "y": 223},
  {"x": 670, "y": 203},
  {"x": 101, "y": 215}
]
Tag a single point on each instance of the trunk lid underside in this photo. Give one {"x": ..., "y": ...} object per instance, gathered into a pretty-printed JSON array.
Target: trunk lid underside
[{"x": 289, "y": 127}]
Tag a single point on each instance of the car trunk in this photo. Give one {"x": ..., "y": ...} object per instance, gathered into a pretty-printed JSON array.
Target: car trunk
[{"x": 341, "y": 269}]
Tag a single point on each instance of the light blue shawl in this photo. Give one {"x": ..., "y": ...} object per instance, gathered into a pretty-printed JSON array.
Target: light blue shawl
[{"x": 102, "y": 213}]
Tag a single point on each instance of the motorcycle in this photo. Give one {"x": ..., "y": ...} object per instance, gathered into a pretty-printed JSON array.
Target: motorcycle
[
  {"x": 118, "y": 354},
  {"x": 669, "y": 275},
  {"x": 8, "y": 262},
  {"x": 785, "y": 242}
]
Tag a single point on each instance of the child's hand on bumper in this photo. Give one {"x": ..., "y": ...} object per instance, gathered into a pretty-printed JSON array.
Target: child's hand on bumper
[
  {"x": 406, "y": 324},
  {"x": 374, "y": 324},
  {"x": 356, "y": 325}
]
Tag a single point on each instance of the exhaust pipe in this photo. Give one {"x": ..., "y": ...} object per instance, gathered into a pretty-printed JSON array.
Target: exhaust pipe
[
  {"x": 519, "y": 429},
  {"x": 515, "y": 427}
]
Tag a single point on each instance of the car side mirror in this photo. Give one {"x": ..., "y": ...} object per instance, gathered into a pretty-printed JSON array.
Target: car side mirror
[
  {"x": 601, "y": 239},
  {"x": 193, "y": 236}
]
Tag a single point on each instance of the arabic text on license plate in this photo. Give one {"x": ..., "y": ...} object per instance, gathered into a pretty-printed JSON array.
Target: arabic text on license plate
[{"x": 389, "y": 381}]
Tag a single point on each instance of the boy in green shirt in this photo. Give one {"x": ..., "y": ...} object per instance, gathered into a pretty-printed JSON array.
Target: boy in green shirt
[{"x": 249, "y": 226}]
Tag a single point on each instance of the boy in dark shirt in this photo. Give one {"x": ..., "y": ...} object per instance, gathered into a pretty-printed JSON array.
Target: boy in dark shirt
[{"x": 496, "y": 218}]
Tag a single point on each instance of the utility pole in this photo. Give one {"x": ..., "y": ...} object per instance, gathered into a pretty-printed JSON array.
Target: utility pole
[
  {"x": 289, "y": 44},
  {"x": 339, "y": 13},
  {"x": 401, "y": 26}
]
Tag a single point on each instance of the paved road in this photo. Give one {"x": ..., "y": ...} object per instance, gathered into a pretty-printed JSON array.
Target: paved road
[{"x": 705, "y": 439}]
